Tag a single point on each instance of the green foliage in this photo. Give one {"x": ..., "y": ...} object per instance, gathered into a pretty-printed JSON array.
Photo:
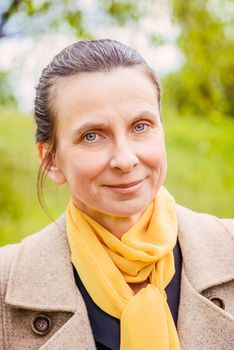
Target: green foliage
[
  {"x": 6, "y": 96},
  {"x": 57, "y": 14},
  {"x": 10, "y": 203},
  {"x": 123, "y": 11},
  {"x": 156, "y": 40},
  {"x": 205, "y": 83},
  {"x": 201, "y": 162},
  {"x": 34, "y": 18},
  {"x": 20, "y": 211},
  {"x": 200, "y": 171},
  {"x": 75, "y": 20}
]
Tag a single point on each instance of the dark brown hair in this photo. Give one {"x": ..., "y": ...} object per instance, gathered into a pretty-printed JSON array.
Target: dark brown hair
[{"x": 83, "y": 56}]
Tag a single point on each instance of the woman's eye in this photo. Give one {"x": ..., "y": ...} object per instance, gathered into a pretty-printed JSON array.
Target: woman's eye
[
  {"x": 90, "y": 137},
  {"x": 141, "y": 127}
]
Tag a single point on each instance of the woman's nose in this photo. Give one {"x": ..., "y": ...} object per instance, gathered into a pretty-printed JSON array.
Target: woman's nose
[{"x": 124, "y": 158}]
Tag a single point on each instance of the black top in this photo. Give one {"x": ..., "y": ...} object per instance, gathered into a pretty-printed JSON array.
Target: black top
[{"x": 106, "y": 329}]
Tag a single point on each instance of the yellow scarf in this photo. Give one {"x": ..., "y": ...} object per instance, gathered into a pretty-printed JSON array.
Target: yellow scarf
[{"x": 105, "y": 264}]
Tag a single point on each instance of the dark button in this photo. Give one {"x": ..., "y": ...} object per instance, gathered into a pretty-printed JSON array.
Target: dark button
[
  {"x": 217, "y": 301},
  {"x": 41, "y": 324}
]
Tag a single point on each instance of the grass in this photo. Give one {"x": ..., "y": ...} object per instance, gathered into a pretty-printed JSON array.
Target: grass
[
  {"x": 18, "y": 157},
  {"x": 201, "y": 163},
  {"x": 200, "y": 171}
]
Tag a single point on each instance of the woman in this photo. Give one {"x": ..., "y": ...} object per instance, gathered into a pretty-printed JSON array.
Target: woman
[{"x": 109, "y": 273}]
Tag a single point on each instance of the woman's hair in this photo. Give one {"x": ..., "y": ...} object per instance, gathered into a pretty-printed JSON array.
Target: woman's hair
[{"x": 80, "y": 57}]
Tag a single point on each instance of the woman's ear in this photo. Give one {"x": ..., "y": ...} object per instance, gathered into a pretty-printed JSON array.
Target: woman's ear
[{"x": 49, "y": 163}]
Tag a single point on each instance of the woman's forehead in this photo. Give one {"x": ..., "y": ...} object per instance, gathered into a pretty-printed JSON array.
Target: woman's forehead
[{"x": 122, "y": 88}]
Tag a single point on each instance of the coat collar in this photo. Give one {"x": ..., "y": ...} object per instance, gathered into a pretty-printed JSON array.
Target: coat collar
[
  {"x": 207, "y": 248},
  {"x": 41, "y": 277},
  {"x": 43, "y": 263}
]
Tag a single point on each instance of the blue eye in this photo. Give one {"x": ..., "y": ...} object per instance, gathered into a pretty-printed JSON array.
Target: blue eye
[
  {"x": 90, "y": 137},
  {"x": 140, "y": 127}
]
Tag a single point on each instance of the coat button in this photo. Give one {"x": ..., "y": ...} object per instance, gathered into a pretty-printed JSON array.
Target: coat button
[
  {"x": 41, "y": 324},
  {"x": 217, "y": 301}
]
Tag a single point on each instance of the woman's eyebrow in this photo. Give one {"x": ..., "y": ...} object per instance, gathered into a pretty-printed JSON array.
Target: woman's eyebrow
[{"x": 144, "y": 114}]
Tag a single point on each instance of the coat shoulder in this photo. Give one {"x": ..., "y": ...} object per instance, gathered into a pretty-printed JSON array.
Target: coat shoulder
[
  {"x": 204, "y": 219},
  {"x": 7, "y": 255},
  {"x": 9, "y": 252},
  {"x": 207, "y": 247}
]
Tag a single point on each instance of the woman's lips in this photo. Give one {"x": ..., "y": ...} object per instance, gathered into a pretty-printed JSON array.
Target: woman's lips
[{"x": 129, "y": 188}]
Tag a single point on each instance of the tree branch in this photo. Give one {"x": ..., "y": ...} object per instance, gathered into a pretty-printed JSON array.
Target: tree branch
[{"x": 6, "y": 15}]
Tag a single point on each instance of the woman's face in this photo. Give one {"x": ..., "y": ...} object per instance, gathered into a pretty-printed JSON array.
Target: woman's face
[{"x": 110, "y": 149}]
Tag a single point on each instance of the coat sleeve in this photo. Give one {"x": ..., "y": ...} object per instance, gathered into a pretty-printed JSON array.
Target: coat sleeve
[{"x": 6, "y": 257}]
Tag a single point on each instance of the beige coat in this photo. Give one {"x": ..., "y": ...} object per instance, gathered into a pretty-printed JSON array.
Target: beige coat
[{"x": 36, "y": 277}]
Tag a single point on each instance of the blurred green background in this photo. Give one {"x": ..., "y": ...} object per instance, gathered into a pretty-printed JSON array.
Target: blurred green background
[{"x": 198, "y": 102}]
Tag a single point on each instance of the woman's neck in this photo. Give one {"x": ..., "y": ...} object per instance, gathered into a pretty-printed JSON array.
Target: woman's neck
[{"x": 117, "y": 225}]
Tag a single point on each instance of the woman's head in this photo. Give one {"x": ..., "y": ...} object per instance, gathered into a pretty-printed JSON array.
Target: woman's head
[{"x": 97, "y": 112}]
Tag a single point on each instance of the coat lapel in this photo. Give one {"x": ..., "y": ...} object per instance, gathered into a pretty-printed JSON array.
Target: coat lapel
[
  {"x": 43, "y": 264},
  {"x": 42, "y": 279},
  {"x": 204, "y": 241},
  {"x": 75, "y": 334},
  {"x": 201, "y": 324}
]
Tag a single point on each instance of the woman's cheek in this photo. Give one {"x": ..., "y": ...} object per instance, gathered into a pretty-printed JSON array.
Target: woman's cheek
[
  {"x": 154, "y": 155},
  {"x": 89, "y": 166}
]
